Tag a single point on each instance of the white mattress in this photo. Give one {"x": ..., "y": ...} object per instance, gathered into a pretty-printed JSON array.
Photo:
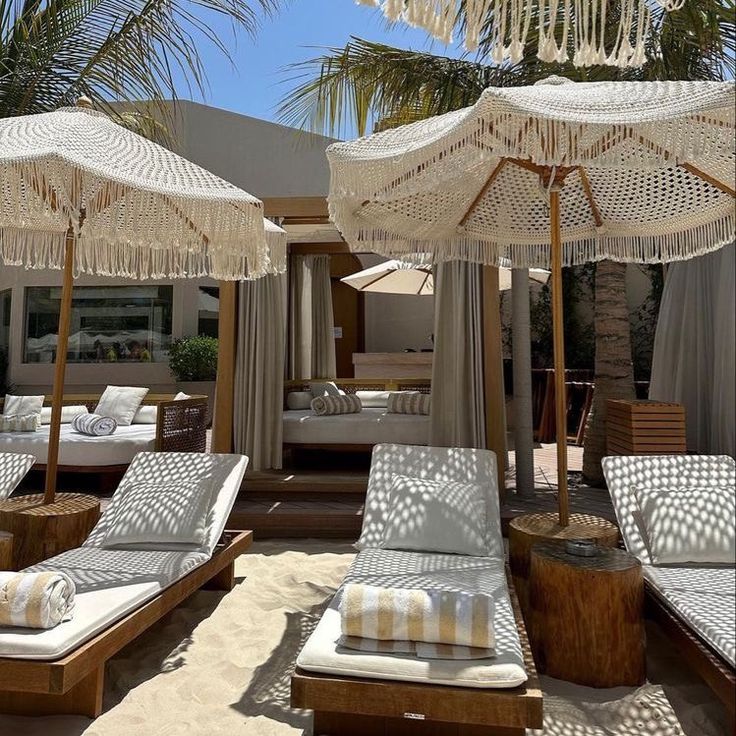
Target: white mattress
[
  {"x": 426, "y": 571},
  {"x": 110, "y": 584},
  {"x": 367, "y": 427},
  {"x": 81, "y": 449},
  {"x": 705, "y": 597}
]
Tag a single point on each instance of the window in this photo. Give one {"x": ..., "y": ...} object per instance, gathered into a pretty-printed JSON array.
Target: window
[
  {"x": 209, "y": 310},
  {"x": 110, "y": 324}
]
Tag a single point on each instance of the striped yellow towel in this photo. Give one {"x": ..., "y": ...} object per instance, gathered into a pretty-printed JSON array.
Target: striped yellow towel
[
  {"x": 35, "y": 600},
  {"x": 397, "y": 614},
  {"x": 420, "y": 649}
]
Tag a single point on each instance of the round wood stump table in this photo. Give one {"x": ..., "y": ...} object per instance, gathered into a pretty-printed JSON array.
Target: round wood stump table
[
  {"x": 529, "y": 529},
  {"x": 587, "y": 615},
  {"x": 43, "y": 530},
  {"x": 6, "y": 551}
]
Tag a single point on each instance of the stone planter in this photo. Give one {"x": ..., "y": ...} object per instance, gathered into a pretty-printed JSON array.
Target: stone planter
[{"x": 200, "y": 388}]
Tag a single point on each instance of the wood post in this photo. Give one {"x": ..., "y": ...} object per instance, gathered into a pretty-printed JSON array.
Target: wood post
[
  {"x": 62, "y": 346},
  {"x": 495, "y": 397},
  {"x": 222, "y": 427},
  {"x": 559, "y": 354}
]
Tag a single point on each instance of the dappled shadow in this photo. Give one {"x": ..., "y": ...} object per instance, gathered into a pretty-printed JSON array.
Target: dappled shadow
[{"x": 13, "y": 468}]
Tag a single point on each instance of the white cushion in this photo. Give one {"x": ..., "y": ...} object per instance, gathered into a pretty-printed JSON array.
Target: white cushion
[
  {"x": 689, "y": 524},
  {"x": 325, "y": 388},
  {"x": 21, "y": 405},
  {"x": 181, "y": 396},
  {"x": 297, "y": 400},
  {"x": 373, "y": 399},
  {"x": 146, "y": 415},
  {"x": 159, "y": 513},
  {"x": 19, "y": 422},
  {"x": 67, "y": 413},
  {"x": 121, "y": 403},
  {"x": 432, "y": 516}
]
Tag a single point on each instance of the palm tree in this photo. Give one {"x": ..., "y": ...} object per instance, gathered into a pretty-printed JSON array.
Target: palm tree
[
  {"x": 349, "y": 87},
  {"x": 53, "y": 51}
]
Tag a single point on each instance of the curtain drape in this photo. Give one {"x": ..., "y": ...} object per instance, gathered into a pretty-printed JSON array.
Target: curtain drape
[
  {"x": 311, "y": 321},
  {"x": 259, "y": 371},
  {"x": 694, "y": 361},
  {"x": 458, "y": 403}
]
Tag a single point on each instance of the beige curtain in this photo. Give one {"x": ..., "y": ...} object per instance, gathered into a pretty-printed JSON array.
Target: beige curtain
[
  {"x": 458, "y": 404},
  {"x": 259, "y": 371},
  {"x": 311, "y": 321}
]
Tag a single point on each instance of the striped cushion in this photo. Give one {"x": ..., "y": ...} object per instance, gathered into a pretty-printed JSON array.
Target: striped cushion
[
  {"x": 408, "y": 402},
  {"x": 346, "y": 404}
]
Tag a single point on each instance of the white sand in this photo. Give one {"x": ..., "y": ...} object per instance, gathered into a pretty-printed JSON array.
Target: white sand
[{"x": 219, "y": 666}]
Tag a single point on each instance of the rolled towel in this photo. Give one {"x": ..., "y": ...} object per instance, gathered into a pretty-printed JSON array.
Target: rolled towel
[
  {"x": 343, "y": 404},
  {"x": 35, "y": 600},
  {"x": 443, "y": 617},
  {"x": 94, "y": 425}
]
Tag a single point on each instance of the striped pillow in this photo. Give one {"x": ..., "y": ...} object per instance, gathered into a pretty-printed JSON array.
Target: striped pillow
[
  {"x": 408, "y": 402},
  {"x": 346, "y": 404},
  {"x": 19, "y": 422}
]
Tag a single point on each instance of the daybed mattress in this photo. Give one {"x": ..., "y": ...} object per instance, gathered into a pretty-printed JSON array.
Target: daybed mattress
[
  {"x": 426, "y": 571},
  {"x": 110, "y": 584},
  {"x": 367, "y": 427},
  {"x": 82, "y": 450},
  {"x": 705, "y": 597}
]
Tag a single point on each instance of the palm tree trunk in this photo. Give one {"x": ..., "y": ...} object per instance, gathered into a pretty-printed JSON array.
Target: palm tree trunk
[{"x": 614, "y": 371}]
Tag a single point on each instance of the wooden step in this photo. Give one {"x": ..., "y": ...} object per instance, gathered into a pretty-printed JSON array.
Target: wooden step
[{"x": 281, "y": 482}]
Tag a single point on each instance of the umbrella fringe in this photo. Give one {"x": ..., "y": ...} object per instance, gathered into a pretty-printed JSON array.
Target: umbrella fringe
[
  {"x": 32, "y": 249},
  {"x": 658, "y": 248}
]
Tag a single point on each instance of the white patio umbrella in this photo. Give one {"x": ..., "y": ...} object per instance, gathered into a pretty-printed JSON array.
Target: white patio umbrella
[
  {"x": 549, "y": 175},
  {"x": 79, "y": 192},
  {"x": 399, "y": 277}
]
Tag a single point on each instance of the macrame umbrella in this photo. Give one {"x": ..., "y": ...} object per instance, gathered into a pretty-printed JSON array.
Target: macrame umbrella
[
  {"x": 506, "y": 25},
  {"x": 399, "y": 277},
  {"x": 79, "y": 192},
  {"x": 550, "y": 175}
]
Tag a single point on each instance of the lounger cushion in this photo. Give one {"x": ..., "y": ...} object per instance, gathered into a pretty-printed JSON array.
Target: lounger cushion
[
  {"x": 121, "y": 403},
  {"x": 110, "y": 584},
  {"x": 689, "y": 524},
  {"x": 13, "y": 468},
  {"x": 392, "y": 568},
  {"x": 173, "y": 513},
  {"x": 430, "y": 516},
  {"x": 704, "y": 597}
]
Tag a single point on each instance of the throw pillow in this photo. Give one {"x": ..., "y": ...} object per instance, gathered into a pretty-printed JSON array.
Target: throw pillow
[
  {"x": 67, "y": 413},
  {"x": 19, "y": 422},
  {"x": 120, "y": 403},
  {"x": 22, "y": 405},
  {"x": 373, "y": 399},
  {"x": 299, "y": 400},
  {"x": 325, "y": 388},
  {"x": 146, "y": 415}
]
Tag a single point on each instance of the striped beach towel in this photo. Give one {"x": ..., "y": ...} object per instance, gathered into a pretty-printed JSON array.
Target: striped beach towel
[
  {"x": 409, "y": 402},
  {"x": 35, "y": 600},
  {"x": 94, "y": 425},
  {"x": 435, "y": 617}
]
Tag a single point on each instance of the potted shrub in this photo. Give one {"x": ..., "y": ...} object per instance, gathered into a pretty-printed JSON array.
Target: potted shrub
[{"x": 193, "y": 361}]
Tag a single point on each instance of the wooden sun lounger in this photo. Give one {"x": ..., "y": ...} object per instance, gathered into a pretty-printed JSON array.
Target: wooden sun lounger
[
  {"x": 351, "y": 706},
  {"x": 718, "y": 674},
  {"x": 74, "y": 684}
]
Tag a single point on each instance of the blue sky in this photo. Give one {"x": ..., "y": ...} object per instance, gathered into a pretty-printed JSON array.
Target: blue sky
[{"x": 255, "y": 86}]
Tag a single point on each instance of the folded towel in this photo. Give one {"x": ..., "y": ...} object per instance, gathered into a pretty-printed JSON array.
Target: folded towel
[
  {"x": 396, "y": 614},
  {"x": 94, "y": 425},
  {"x": 19, "y": 422},
  {"x": 343, "y": 404},
  {"x": 35, "y": 600},
  {"x": 420, "y": 649}
]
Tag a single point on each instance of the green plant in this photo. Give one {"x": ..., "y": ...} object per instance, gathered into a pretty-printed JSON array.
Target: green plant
[
  {"x": 644, "y": 322},
  {"x": 194, "y": 358}
]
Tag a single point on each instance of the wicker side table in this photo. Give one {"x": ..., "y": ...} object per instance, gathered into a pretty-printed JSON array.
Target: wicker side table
[{"x": 587, "y": 615}]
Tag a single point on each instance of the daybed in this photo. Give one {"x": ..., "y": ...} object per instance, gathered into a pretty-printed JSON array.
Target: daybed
[
  {"x": 13, "y": 468},
  {"x": 359, "y": 693},
  {"x": 695, "y": 604},
  {"x": 303, "y": 429},
  {"x": 120, "y": 592},
  {"x": 180, "y": 426}
]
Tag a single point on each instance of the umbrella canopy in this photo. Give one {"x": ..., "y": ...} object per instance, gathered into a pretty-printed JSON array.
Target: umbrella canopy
[
  {"x": 398, "y": 277},
  {"x": 135, "y": 208},
  {"x": 554, "y": 174}
]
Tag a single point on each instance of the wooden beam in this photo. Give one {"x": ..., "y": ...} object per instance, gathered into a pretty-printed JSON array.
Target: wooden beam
[
  {"x": 708, "y": 178},
  {"x": 495, "y": 398},
  {"x": 483, "y": 191},
  {"x": 222, "y": 428},
  {"x": 295, "y": 207},
  {"x": 589, "y": 196},
  {"x": 559, "y": 355}
]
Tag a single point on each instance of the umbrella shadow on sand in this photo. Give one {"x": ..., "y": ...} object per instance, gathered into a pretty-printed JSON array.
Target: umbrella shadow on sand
[{"x": 269, "y": 692}]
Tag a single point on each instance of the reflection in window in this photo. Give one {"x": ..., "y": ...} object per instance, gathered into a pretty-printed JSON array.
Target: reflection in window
[
  {"x": 110, "y": 324},
  {"x": 209, "y": 310}
]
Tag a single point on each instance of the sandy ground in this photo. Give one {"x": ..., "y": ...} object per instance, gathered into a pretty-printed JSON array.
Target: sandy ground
[{"x": 220, "y": 665}]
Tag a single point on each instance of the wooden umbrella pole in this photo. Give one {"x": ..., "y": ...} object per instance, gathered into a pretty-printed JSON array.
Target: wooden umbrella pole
[
  {"x": 222, "y": 428},
  {"x": 62, "y": 345},
  {"x": 559, "y": 355}
]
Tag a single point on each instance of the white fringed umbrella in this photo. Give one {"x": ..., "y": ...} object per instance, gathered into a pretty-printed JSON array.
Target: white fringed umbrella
[
  {"x": 398, "y": 277},
  {"x": 79, "y": 192},
  {"x": 550, "y": 175}
]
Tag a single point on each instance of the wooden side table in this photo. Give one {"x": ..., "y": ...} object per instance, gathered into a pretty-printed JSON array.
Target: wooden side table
[{"x": 587, "y": 615}]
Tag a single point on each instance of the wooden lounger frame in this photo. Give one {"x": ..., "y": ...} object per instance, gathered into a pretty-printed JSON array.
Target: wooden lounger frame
[
  {"x": 74, "y": 684},
  {"x": 352, "y": 706},
  {"x": 718, "y": 674}
]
